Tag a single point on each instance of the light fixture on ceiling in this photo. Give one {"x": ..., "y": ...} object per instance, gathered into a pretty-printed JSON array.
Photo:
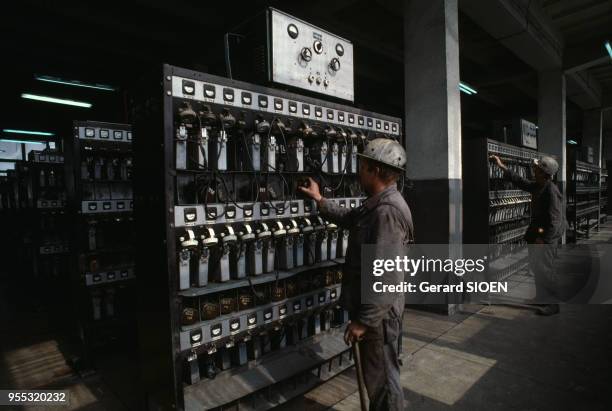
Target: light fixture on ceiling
[
  {"x": 75, "y": 83},
  {"x": 8, "y": 140},
  {"x": 608, "y": 48},
  {"x": 467, "y": 89},
  {"x": 55, "y": 100},
  {"x": 28, "y": 132},
  {"x": 570, "y": 141}
]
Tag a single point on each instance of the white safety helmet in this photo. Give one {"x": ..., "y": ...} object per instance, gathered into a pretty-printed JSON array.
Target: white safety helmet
[
  {"x": 547, "y": 164},
  {"x": 386, "y": 151}
]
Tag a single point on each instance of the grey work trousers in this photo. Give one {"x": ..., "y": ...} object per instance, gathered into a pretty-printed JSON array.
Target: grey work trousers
[
  {"x": 380, "y": 363},
  {"x": 542, "y": 264}
]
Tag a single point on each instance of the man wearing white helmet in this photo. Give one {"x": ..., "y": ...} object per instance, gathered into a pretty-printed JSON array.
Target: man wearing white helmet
[
  {"x": 384, "y": 220},
  {"x": 546, "y": 227}
]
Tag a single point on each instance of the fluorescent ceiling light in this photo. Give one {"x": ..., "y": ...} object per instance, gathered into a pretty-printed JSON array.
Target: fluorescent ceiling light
[
  {"x": 466, "y": 88},
  {"x": 609, "y": 48},
  {"x": 33, "y": 133},
  {"x": 75, "y": 83},
  {"x": 55, "y": 100},
  {"x": 570, "y": 141},
  {"x": 465, "y": 91},
  {"x": 22, "y": 141}
]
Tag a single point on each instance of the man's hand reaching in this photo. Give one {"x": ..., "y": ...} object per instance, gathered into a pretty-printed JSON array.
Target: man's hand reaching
[
  {"x": 500, "y": 164},
  {"x": 312, "y": 190}
]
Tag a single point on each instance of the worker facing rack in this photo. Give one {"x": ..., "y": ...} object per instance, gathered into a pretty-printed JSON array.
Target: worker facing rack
[{"x": 500, "y": 213}]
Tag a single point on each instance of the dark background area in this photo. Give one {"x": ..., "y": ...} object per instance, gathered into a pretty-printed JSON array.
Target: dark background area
[{"x": 116, "y": 43}]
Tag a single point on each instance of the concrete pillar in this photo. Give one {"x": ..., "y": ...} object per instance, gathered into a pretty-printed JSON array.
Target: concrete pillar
[
  {"x": 551, "y": 118},
  {"x": 433, "y": 124},
  {"x": 591, "y": 133},
  {"x": 551, "y": 123},
  {"x": 606, "y": 137},
  {"x": 433, "y": 119}
]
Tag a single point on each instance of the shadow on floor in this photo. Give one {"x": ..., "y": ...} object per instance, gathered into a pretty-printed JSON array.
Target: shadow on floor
[{"x": 498, "y": 358}]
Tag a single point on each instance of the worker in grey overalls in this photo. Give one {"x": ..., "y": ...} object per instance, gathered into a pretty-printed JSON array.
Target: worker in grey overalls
[
  {"x": 545, "y": 229},
  {"x": 384, "y": 220}
]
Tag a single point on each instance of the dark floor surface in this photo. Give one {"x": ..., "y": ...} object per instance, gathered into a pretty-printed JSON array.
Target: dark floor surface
[{"x": 485, "y": 358}]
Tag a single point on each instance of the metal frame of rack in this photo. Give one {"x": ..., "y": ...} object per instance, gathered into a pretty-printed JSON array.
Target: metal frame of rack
[
  {"x": 99, "y": 203},
  {"x": 583, "y": 197},
  {"x": 45, "y": 213},
  {"x": 11, "y": 214},
  {"x": 36, "y": 217},
  {"x": 603, "y": 199},
  {"x": 172, "y": 353}
]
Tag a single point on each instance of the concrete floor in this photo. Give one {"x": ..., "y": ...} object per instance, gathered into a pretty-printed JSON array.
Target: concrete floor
[
  {"x": 485, "y": 358},
  {"x": 496, "y": 358},
  {"x": 500, "y": 358},
  {"x": 34, "y": 356}
]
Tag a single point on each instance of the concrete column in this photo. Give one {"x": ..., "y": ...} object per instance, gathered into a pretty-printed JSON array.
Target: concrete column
[
  {"x": 551, "y": 118},
  {"x": 551, "y": 123},
  {"x": 433, "y": 124},
  {"x": 433, "y": 119},
  {"x": 606, "y": 157},
  {"x": 606, "y": 137},
  {"x": 591, "y": 133}
]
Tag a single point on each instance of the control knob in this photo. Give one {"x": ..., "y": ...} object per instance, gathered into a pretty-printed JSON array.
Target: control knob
[
  {"x": 306, "y": 54},
  {"x": 334, "y": 64}
]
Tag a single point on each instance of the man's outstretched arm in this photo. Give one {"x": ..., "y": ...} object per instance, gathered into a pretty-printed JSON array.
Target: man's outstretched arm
[
  {"x": 517, "y": 180},
  {"x": 328, "y": 209}
]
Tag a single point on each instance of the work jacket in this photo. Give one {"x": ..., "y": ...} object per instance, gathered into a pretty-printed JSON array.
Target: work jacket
[
  {"x": 547, "y": 221},
  {"x": 383, "y": 220}
]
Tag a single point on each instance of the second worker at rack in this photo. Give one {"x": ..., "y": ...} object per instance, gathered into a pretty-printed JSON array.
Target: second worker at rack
[
  {"x": 384, "y": 220},
  {"x": 545, "y": 229}
]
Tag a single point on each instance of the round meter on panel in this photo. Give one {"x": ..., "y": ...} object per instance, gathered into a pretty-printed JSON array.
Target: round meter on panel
[
  {"x": 293, "y": 31},
  {"x": 339, "y": 50}
]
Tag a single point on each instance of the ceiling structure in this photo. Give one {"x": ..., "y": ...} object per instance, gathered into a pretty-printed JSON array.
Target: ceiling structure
[
  {"x": 117, "y": 43},
  {"x": 586, "y": 25}
]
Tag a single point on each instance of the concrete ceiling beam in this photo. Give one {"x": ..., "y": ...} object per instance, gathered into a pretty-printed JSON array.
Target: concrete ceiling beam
[
  {"x": 522, "y": 27},
  {"x": 588, "y": 64},
  {"x": 591, "y": 92}
]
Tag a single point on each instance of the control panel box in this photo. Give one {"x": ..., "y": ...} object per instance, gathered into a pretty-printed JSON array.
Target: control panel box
[
  {"x": 295, "y": 53},
  {"x": 523, "y": 134},
  {"x": 587, "y": 155}
]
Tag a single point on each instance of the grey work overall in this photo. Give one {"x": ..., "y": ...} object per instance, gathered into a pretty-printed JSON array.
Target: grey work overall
[
  {"x": 384, "y": 219},
  {"x": 547, "y": 225}
]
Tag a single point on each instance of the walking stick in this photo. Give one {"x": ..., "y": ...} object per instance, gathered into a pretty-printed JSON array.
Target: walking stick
[{"x": 360, "y": 381}]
